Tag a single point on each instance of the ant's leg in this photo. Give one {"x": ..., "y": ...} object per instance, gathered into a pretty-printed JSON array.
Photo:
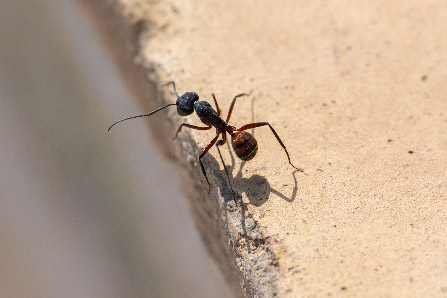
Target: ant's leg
[
  {"x": 233, "y": 102},
  {"x": 173, "y": 85},
  {"x": 223, "y": 141},
  {"x": 258, "y": 124},
  {"x": 200, "y": 159},
  {"x": 220, "y": 143},
  {"x": 217, "y": 106},
  {"x": 190, "y": 126}
]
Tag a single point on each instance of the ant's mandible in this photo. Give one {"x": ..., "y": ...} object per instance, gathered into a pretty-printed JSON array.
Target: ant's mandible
[{"x": 244, "y": 144}]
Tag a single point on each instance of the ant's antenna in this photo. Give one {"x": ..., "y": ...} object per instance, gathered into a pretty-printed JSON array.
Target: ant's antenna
[
  {"x": 148, "y": 114},
  {"x": 173, "y": 85}
]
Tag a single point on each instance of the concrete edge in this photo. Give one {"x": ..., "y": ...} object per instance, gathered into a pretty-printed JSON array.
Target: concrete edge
[{"x": 244, "y": 254}]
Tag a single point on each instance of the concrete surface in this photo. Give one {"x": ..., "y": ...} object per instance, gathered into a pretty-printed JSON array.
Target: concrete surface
[{"x": 357, "y": 90}]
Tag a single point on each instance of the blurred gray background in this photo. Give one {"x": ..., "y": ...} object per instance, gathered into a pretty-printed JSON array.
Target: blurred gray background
[{"x": 83, "y": 212}]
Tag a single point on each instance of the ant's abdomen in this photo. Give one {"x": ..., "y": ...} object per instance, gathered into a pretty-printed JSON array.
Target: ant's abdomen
[{"x": 244, "y": 145}]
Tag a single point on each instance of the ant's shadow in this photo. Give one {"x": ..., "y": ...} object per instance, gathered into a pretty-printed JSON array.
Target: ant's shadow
[{"x": 256, "y": 188}]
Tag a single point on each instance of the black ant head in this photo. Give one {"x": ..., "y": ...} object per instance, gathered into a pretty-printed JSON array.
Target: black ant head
[{"x": 185, "y": 103}]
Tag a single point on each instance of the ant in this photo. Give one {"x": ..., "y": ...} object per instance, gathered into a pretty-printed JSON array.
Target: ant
[{"x": 244, "y": 144}]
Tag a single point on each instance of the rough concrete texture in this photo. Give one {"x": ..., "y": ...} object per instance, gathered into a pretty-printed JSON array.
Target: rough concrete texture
[{"x": 357, "y": 90}]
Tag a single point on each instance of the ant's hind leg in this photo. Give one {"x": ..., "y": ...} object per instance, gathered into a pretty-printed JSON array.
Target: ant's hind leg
[
  {"x": 220, "y": 143},
  {"x": 200, "y": 159},
  {"x": 258, "y": 124}
]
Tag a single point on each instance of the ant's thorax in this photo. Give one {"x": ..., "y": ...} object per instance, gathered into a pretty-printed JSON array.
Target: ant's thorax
[{"x": 209, "y": 116}]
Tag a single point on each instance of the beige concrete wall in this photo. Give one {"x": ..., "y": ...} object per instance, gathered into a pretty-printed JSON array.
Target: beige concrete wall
[{"x": 357, "y": 90}]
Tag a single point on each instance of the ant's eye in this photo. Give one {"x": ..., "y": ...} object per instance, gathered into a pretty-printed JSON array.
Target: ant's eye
[{"x": 196, "y": 97}]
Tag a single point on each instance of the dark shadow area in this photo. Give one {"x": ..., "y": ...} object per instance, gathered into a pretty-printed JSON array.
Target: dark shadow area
[{"x": 257, "y": 187}]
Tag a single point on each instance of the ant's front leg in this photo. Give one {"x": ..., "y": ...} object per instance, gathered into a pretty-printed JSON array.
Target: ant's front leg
[
  {"x": 217, "y": 106},
  {"x": 190, "y": 126}
]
